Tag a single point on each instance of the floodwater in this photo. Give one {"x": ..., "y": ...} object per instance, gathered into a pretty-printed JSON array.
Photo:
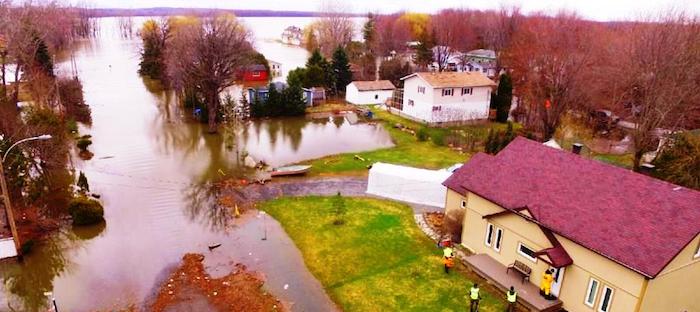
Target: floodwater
[{"x": 153, "y": 169}]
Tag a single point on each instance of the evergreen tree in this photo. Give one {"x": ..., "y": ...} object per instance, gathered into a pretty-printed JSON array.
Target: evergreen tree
[
  {"x": 42, "y": 57},
  {"x": 273, "y": 103},
  {"x": 424, "y": 52},
  {"x": 294, "y": 104},
  {"x": 369, "y": 33},
  {"x": 342, "y": 76},
  {"x": 298, "y": 77},
  {"x": 679, "y": 161},
  {"x": 83, "y": 183},
  {"x": 317, "y": 59},
  {"x": 503, "y": 98}
]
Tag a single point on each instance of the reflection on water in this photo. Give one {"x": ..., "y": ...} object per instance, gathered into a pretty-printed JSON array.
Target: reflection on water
[{"x": 153, "y": 169}]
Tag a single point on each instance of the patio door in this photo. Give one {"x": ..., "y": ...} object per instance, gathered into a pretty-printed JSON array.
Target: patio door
[{"x": 558, "y": 280}]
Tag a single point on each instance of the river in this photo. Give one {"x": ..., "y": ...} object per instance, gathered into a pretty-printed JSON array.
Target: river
[{"x": 153, "y": 169}]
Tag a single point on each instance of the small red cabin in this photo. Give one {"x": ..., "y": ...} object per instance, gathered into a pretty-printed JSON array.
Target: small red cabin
[{"x": 256, "y": 72}]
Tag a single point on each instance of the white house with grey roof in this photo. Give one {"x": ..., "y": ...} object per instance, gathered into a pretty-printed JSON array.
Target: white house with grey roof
[
  {"x": 435, "y": 98},
  {"x": 369, "y": 92}
]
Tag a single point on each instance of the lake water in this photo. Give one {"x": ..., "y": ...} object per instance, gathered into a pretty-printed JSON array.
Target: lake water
[{"x": 153, "y": 170}]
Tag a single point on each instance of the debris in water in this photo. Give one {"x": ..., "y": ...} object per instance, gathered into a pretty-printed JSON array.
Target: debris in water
[
  {"x": 214, "y": 246},
  {"x": 286, "y": 286}
]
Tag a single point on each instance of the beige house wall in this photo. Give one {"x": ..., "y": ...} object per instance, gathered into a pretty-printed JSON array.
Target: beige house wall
[
  {"x": 675, "y": 289},
  {"x": 626, "y": 284}
]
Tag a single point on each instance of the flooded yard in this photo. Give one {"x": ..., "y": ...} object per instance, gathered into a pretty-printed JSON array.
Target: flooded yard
[{"x": 154, "y": 170}]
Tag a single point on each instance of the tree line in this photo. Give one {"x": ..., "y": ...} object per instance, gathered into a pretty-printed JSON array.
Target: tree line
[
  {"x": 31, "y": 34},
  {"x": 645, "y": 71}
]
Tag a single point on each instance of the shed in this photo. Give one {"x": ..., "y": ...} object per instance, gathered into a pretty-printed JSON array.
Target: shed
[
  {"x": 408, "y": 184},
  {"x": 369, "y": 92}
]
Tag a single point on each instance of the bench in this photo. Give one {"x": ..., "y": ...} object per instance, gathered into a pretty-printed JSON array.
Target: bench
[{"x": 522, "y": 268}]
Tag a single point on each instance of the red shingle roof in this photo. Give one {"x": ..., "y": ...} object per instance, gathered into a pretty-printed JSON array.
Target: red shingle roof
[{"x": 638, "y": 221}]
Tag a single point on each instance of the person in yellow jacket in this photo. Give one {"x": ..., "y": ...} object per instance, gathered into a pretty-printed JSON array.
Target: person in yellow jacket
[
  {"x": 448, "y": 258},
  {"x": 546, "y": 285},
  {"x": 474, "y": 298},
  {"x": 511, "y": 297}
]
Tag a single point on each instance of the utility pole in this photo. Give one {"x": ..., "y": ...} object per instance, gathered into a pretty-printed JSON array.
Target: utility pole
[
  {"x": 6, "y": 193},
  {"x": 8, "y": 208}
]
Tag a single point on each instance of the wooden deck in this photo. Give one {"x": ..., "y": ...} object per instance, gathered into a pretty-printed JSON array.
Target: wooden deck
[{"x": 495, "y": 272}]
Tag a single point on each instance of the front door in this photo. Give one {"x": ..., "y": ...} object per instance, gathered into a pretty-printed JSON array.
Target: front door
[{"x": 558, "y": 279}]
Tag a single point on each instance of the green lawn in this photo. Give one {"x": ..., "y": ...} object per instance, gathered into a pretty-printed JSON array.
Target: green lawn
[
  {"x": 407, "y": 150},
  {"x": 379, "y": 260}
]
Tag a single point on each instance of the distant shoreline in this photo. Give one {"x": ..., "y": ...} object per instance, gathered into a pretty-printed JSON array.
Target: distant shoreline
[{"x": 165, "y": 11}]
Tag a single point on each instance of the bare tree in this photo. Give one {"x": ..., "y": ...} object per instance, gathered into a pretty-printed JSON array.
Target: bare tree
[
  {"x": 334, "y": 28},
  {"x": 656, "y": 78},
  {"x": 548, "y": 58},
  {"x": 207, "y": 56}
]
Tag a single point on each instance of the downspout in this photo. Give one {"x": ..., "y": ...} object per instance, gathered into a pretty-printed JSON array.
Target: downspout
[{"x": 642, "y": 293}]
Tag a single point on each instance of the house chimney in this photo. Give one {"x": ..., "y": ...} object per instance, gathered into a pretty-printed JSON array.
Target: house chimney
[
  {"x": 647, "y": 169},
  {"x": 576, "y": 148}
]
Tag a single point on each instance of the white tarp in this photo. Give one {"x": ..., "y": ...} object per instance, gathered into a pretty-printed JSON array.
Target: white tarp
[
  {"x": 7, "y": 248},
  {"x": 408, "y": 184}
]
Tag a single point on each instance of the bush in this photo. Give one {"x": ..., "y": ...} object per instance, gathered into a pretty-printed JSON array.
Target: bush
[
  {"x": 438, "y": 138},
  {"x": 422, "y": 134},
  {"x": 27, "y": 246},
  {"x": 83, "y": 143},
  {"x": 85, "y": 211}
]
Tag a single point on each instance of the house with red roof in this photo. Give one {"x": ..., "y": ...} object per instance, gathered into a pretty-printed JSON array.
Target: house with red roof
[{"x": 616, "y": 240}]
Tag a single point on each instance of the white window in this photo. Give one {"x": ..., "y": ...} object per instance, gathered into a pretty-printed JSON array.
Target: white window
[
  {"x": 466, "y": 91},
  {"x": 591, "y": 292},
  {"x": 421, "y": 90},
  {"x": 527, "y": 252},
  {"x": 447, "y": 92},
  {"x": 493, "y": 238},
  {"x": 410, "y": 103},
  {"x": 437, "y": 108},
  {"x": 605, "y": 299},
  {"x": 499, "y": 236},
  {"x": 489, "y": 235},
  {"x": 464, "y": 203}
]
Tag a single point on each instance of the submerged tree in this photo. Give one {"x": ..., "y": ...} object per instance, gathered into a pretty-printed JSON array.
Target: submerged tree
[
  {"x": 207, "y": 58},
  {"x": 154, "y": 35}
]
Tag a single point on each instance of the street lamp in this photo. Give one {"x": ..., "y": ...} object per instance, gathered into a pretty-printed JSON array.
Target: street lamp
[
  {"x": 42, "y": 137},
  {"x": 6, "y": 193}
]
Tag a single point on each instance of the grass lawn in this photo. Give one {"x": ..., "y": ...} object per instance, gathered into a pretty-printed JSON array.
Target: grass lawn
[
  {"x": 379, "y": 260},
  {"x": 407, "y": 150}
]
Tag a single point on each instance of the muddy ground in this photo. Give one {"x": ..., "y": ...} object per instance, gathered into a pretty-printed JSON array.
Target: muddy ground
[{"x": 191, "y": 288}]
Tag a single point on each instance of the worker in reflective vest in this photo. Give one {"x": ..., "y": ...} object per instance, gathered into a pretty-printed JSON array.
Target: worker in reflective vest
[
  {"x": 474, "y": 298},
  {"x": 512, "y": 297},
  {"x": 448, "y": 258},
  {"x": 546, "y": 285}
]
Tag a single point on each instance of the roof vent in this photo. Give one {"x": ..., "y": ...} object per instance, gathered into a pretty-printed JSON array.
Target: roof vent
[{"x": 576, "y": 148}]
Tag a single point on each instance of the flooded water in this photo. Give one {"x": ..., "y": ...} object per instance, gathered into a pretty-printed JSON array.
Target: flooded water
[{"x": 152, "y": 168}]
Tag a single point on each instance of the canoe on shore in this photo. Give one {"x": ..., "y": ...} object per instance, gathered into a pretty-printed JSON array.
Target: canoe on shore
[{"x": 290, "y": 170}]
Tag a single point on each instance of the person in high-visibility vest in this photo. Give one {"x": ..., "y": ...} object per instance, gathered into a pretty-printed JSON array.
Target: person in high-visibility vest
[
  {"x": 474, "y": 298},
  {"x": 512, "y": 297},
  {"x": 546, "y": 285},
  {"x": 448, "y": 258}
]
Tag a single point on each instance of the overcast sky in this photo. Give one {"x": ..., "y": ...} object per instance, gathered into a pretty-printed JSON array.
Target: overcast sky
[{"x": 602, "y": 10}]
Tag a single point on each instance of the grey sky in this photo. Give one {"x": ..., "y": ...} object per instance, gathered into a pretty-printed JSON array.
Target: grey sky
[{"x": 592, "y": 9}]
